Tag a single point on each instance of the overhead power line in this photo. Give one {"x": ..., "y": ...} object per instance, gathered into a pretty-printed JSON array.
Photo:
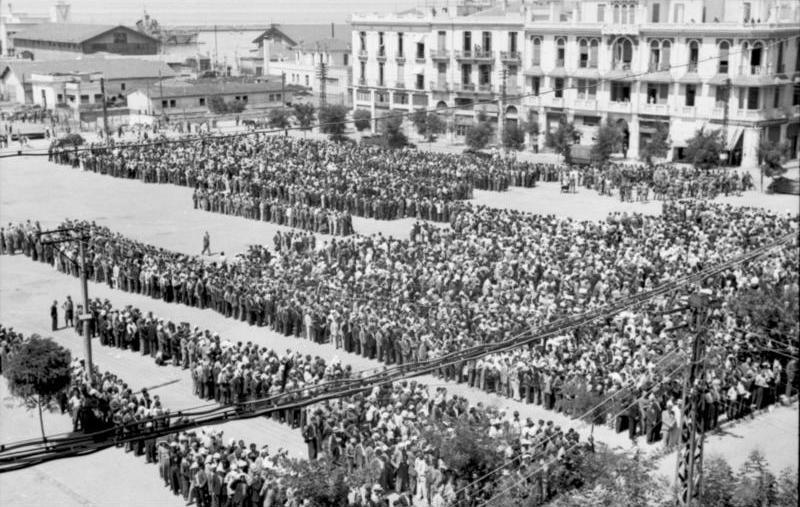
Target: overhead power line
[
  {"x": 395, "y": 113},
  {"x": 28, "y": 454}
]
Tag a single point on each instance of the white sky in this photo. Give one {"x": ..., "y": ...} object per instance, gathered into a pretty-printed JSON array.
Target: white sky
[{"x": 211, "y": 12}]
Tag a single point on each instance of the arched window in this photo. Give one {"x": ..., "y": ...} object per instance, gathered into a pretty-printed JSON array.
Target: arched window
[
  {"x": 616, "y": 13},
  {"x": 536, "y": 57},
  {"x": 623, "y": 54},
  {"x": 755, "y": 57},
  {"x": 724, "y": 52},
  {"x": 583, "y": 58},
  {"x": 561, "y": 51},
  {"x": 694, "y": 55},
  {"x": 593, "y": 49},
  {"x": 655, "y": 55},
  {"x": 666, "y": 48}
]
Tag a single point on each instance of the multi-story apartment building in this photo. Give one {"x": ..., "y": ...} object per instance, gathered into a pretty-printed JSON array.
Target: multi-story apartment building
[{"x": 732, "y": 65}]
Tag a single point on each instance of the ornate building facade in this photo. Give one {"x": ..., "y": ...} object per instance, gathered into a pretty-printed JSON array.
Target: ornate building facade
[{"x": 731, "y": 65}]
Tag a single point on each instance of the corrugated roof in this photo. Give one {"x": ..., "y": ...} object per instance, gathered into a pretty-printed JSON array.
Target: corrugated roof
[
  {"x": 202, "y": 89},
  {"x": 68, "y": 32},
  {"x": 304, "y": 34},
  {"x": 327, "y": 44},
  {"x": 111, "y": 68}
]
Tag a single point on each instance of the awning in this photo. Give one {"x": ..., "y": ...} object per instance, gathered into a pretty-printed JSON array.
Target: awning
[
  {"x": 586, "y": 73},
  {"x": 718, "y": 79},
  {"x": 658, "y": 77},
  {"x": 534, "y": 71},
  {"x": 782, "y": 79},
  {"x": 762, "y": 80},
  {"x": 619, "y": 75},
  {"x": 734, "y": 134},
  {"x": 690, "y": 78},
  {"x": 558, "y": 72}
]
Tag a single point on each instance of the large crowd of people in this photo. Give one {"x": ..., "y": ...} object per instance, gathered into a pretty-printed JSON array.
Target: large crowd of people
[
  {"x": 493, "y": 275},
  {"x": 281, "y": 179},
  {"x": 663, "y": 182},
  {"x": 381, "y": 438}
]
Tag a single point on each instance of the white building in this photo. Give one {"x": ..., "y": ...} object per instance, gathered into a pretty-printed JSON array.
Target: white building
[
  {"x": 725, "y": 64},
  {"x": 298, "y": 52},
  {"x": 12, "y": 22}
]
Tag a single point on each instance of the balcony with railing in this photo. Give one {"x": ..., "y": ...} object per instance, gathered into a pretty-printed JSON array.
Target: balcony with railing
[
  {"x": 556, "y": 101},
  {"x": 362, "y": 81},
  {"x": 477, "y": 55},
  {"x": 400, "y": 58},
  {"x": 419, "y": 58},
  {"x": 658, "y": 67},
  {"x": 748, "y": 114},
  {"x": 619, "y": 107},
  {"x": 620, "y": 29},
  {"x": 688, "y": 111},
  {"x": 485, "y": 88},
  {"x": 381, "y": 56},
  {"x": 511, "y": 56},
  {"x": 440, "y": 86},
  {"x": 621, "y": 65},
  {"x": 464, "y": 87},
  {"x": 585, "y": 104},
  {"x": 400, "y": 84},
  {"x": 658, "y": 109},
  {"x": 439, "y": 54},
  {"x": 363, "y": 54},
  {"x": 559, "y": 63}
]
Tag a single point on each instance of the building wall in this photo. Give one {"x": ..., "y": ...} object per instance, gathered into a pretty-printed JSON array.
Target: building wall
[
  {"x": 442, "y": 76},
  {"x": 138, "y": 101},
  {"x": 121, "y": 41},
  {"x": 12, "y": 89}
]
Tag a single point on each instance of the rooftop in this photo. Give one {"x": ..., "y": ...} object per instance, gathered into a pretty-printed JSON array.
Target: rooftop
[
  {"x": 68, "y": 32},
  {"x": 111, "y": 68},
  {"x": 176, "y": 88},
  {"x": 306, "y": 34}
]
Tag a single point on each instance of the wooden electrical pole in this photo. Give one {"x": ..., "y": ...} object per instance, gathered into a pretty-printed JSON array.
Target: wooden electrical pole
[
  {"x": 689, "y": 471},
  {"x": 105, "y": 111},
  {"x": 81, "y": 237}
]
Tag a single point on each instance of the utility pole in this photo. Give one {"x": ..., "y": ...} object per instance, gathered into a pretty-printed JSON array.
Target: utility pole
[
  {"x": 105, "y": 111},
  {"x": 81, "y": 236},
  {"x": 689, "y": 470},
  {"x": 216, "y": 56},
  {"x": 501, "y": 107},
  {"x": 322, "y": 74}
]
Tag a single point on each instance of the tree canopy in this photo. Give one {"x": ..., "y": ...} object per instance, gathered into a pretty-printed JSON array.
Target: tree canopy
[
  {"x": 562, "y": 138},
  {"x": 37, "y": 372},
  {"x": 428, "y": 124},
  {"x": 392, "y": 127},
  {"x": 772, "y": 155},
  {"x": 658, "y": 145},
  {"x": 304, "y": 113},
  {"x": 703, "y": 150},
  {"x": 479, "y": 134},
  {"x": 278, "y": 117},
  {"x": 513, "y": 137},
  {"x": 333, "y": 121},
  {"x": 362, "y": 119},
  {"x": 319, "y": 482},
  {"x": 607, "y": 142}
]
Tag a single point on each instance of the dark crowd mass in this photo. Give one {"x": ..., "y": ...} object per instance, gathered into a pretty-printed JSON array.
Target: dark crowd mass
[
  {"x": 381, "y": 438},
  {"x": 314, "y": 185},
  {"x": 490, "y": 277}
]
